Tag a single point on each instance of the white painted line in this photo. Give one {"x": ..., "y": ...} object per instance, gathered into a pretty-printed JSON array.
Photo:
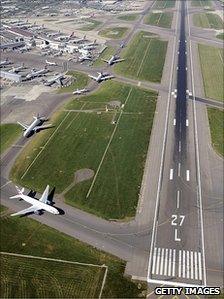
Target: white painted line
[
  {"x": 174, "y": 122},
  {"x": 161, "y": 262},
  {"x": 166, "y": 262},
  {"x": 171, "y": 173},
  {"x": 175, "y": 236},
  {"x": 174, "y": 261},
  {"x": 179, "y": 169},
  {"x": 188, "y": 264},
  {"x": 186, "y": 68},
  {"x": 192, "y": 265},
  {"x": 183, "y": 263},
  {"x": 199, "y": 266},
  {"x": 187, "y": 122},
  {"x": 5, "y": 184},
  {"x": 188, "y": 175},
  {"x": 177, "y": 68},
  {"x": 158, "y": 261},
  {"x": 178, "y": 199},
  {"x": 179, "y": 266},
  {"x": 139, "y": 83},
  {"x": 198, "y": 162},
  {"x": 175, "y": 90},
  {"x": 179, "y": 146},
  {"x": 170, "y": 260},
  {"x": 154, "y": 260},
  {"x": 186, "y": 52},
  {"x": 178, "y": 52},
  {"x": 195, "y": 265},
  {"x": 175, "y": 96}
]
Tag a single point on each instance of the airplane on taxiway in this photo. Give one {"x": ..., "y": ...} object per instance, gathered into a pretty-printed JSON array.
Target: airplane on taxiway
[
  {"x": 101, "y": 77},
  {"x": 35, "y": 126},
  {"x": 113, "y": 59},
  {"x": 38, "y": 206},
  {"x": 80, "y": 91}
]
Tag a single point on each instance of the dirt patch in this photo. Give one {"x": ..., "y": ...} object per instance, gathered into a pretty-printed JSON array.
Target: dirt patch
[
  {"x": 83, "y": 175},
  {"x": 115, "y": 104}
]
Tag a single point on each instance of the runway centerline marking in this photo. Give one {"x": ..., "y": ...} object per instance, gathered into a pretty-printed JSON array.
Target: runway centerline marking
[
  {"x": 188, "y": 175},
  {"x": 187, "y": 122},
  {"x": 179, "y": 147},
  {"x": 179, "y": 168},
  {"x": 178, "y": 199},
  {"x": 171, "y": 174},
  {"x": 174, "y": 122}
]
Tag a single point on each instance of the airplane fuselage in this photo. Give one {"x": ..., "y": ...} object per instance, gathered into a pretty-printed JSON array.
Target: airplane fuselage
[
  {"x": 31, "y": 127},
  {"x": 39, "y": 205}
]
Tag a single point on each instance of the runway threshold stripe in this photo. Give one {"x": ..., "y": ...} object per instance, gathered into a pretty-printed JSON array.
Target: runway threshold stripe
[
  {"x": 161, "y": 262},
  {"x": 199, "y": 266},
  {"x": 192, "y": 265},
  {"x": 183, "y": 263},
  {"x": 188, "y": 264},
  {"x": 174, "y": 262},
  {"x": 154, "y": 261},
  {"x": 158, "y": 261},
  {"x": 166, "y": 261},
  {"x": 196, "y": 265},
  {"x": 179, "y": 268},
  {"x": 170, "y": 261}
]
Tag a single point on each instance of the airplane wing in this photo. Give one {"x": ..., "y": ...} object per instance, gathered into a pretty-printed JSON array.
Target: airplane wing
[
  {"x": 59, "y": 81},
  {"x": 37, "y": 128},
  {"x": 107, "y": 77},
  {"x": 94, "y": 78},
  {"x": 23, "y": 125},
  {"x": 118, "y": 60},
  {"x": 25, "y": 211},
  {"x": 45, "y": 195}
]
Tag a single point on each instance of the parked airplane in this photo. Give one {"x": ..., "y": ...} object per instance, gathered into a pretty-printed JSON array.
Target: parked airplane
[
  {"x": 35, "y": 126},
  {"x": 80, "y": 91},
  {"x": 79, "y": 40},
  {"x": 17, "y": 69},
  {"x": 85, "y": 57},
  {"x": 101, "y": 77},
  {"x": 57, "y": 79},
  {"x": 65, "y": 37},
  {"x": 113, "y": 59},
  {"x": 34, "y": 74},
  {"x": 38, "y": 206},
  {"x": 5, "y": 62},
  {"x": 50, "y": 63},
  {"x": 90, "y": 46}
]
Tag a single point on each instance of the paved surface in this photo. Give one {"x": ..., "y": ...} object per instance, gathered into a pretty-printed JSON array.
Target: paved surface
[{"x": 177, "y": 233}]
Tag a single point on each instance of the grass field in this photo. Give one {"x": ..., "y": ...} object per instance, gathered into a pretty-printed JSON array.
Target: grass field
[
  {"x": 208, "y": 20},
  {"x": 92, "y": 141},
  {"x": 80, "y": 81},
  {"x": 32, "y": 278},
  {"x": 202, "y": 3},
  {"x": 92, "y": 25},
  {"x": 72, "y": 281},
  {"x": 212, "y": 71},
  {"x": 113, "y": 32},
  {"x": 129, "y": 17},
  {"x": 144, "y": 58},
  {"x": 164, "y": 4},
  {"x": 220, "y": 36},
  {"x": 8, "y": 134},
  {"x": 107, "y": 53},
  {"x": 216, "y": 121},
  {"x": 159, "y": 19}
]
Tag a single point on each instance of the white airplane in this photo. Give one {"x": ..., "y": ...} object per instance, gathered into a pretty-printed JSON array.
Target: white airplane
[
  {"x": 113, "y": 59},
  {"x": 56, "y": 79},
  {"x": 17, "y": 69},
  {"x": 35, "y": 74},
  {"x": 90, "y": 46},
  {"x": 50, "y": 63},
  {"x": 80, "y": 91},
  {"x": 79, "y": 40},
  {"x": 84, "y": 57},
  {"x": 101, "y": 77},
  {"x": 5, "y": 62},
  {"x": 35, "y": 126},
  {"x": 65, "y": 37},
  {"x": 37, "y": 205}
]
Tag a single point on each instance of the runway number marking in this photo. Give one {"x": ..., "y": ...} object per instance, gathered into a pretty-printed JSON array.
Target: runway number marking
[{"x": 175, "y": 218}]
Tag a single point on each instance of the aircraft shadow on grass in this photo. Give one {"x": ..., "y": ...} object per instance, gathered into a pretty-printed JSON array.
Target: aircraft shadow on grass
[{"x": 32, "y": 194}]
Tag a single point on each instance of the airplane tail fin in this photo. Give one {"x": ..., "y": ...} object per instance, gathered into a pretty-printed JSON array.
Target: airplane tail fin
[{"x": 72, "y": 34}]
